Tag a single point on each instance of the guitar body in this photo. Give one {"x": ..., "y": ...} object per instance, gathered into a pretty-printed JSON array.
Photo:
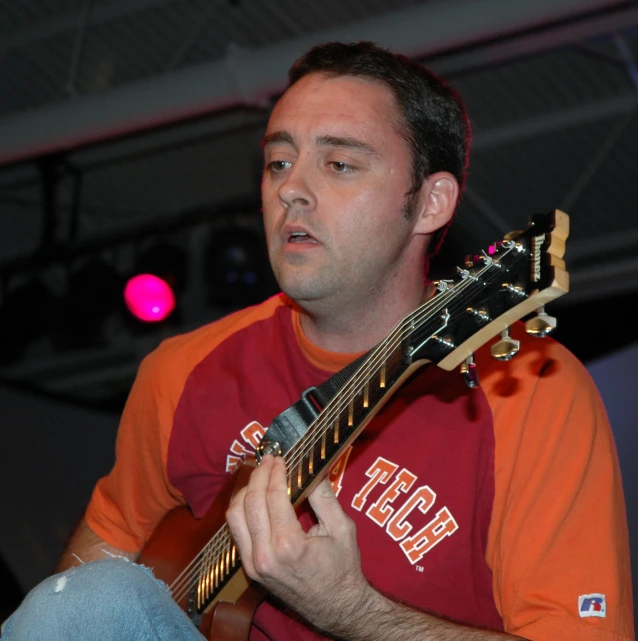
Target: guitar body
[{"x": 178, "y": 539}]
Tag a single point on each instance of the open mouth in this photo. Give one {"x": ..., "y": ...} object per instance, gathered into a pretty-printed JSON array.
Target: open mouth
[{"x": 300, "y": 237}]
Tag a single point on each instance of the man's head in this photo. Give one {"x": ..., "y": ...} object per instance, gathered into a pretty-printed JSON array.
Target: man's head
[
  {"x": 345, "y": 161},
  {"x": 433, "y": 119}
]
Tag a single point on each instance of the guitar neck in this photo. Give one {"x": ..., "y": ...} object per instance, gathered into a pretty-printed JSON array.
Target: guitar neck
[
  {"x": 214, "y": 574},
  {"x": 344, "y": 418}
]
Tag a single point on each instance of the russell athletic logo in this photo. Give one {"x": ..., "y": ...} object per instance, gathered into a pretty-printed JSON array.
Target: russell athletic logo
[{"x": 592, "y": 605}]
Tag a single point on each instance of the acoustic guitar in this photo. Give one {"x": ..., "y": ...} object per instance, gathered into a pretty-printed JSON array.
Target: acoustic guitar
[{"x": 512, "y": 280}]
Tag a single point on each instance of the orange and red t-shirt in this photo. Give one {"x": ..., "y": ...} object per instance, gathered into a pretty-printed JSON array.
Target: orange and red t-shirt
[{"x": 499, "y": 506}]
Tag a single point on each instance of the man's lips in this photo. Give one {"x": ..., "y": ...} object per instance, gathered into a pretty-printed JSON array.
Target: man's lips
[{"x": 297, "y": 235}]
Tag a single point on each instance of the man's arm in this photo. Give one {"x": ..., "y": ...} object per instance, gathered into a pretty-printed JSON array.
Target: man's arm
[
  {"x": 85, "y": 546},
  {"x": 318, "y": 574}
]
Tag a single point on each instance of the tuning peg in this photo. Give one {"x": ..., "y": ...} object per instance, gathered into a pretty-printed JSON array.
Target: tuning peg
[
  {"x": 506, "y": 348},
  {"x": 540, "y": 325},
  {"x": 470, "y": 372}
]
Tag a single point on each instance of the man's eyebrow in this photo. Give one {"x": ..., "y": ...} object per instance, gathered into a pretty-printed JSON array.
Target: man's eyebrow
[
  {"x": 276, "y": 136},
  {"x": 330, "y": 141},
  {"x": 348, "y": 142}
]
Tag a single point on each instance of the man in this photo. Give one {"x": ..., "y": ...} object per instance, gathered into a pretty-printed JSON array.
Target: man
[{"x": 483, "y": 514}]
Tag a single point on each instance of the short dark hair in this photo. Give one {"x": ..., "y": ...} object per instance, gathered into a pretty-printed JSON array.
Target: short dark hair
[{"x": 432, "y": 117}]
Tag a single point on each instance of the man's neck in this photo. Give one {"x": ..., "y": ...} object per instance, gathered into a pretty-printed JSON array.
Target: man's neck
[{"x": 356, "y": 330}]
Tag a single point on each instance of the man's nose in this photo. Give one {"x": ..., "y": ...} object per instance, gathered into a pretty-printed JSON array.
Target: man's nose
[{"x": 297, "y": 190}]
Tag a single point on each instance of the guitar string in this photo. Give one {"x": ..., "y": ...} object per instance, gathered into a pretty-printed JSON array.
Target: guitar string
[
  {"x": 220, "y": 540},
  {"x": 301, "y": 450},
  {"x": 185, "y": 583},
  {"x": 387, "y": 346},
  {"x": 223, "y": 536},
  {"x": 297, "y": 457}
]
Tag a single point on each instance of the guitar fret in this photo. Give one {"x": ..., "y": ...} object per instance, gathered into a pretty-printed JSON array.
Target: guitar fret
[
  {"x": 299, "y": 475},
  {"x": 205, "y": 584},
  {"x": 336, "y": 431},
  {"x": 323, "y": 446},
  {"x": 311, "y": 458},
  {"x": 382, "y": 376},
  {"x": 351, "y": 414},
  {"x": 366, "y": 399}
]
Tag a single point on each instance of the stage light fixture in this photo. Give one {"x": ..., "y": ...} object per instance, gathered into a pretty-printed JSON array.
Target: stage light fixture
[
  {"x": 149, "y": 298},
  {"x": 151, "y": 293},
  {"x": 237, "y": 270}
]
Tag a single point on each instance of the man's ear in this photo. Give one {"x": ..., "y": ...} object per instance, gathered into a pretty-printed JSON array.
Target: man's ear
[{"x": 436, "y": 202}]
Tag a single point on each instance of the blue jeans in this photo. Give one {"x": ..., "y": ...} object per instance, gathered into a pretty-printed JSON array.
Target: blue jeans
[{"x": 109, "y": 600}]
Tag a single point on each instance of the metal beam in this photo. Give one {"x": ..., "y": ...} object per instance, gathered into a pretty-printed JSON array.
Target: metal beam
[
  {"x": 69, "y": 21},
  {"x": 564, "y": 119},
  {"x": 570, "y": 33},
  {"x": 245, "y": 78},
  {"x": 586, "y": 251},
  {"x": 601, "y": 281}
]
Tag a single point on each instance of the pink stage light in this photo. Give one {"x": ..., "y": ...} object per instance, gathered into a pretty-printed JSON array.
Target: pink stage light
[{"x": 149, "y": 298}]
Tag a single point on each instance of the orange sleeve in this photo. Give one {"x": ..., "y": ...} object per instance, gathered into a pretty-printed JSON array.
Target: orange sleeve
[
  {"x": 128, "y": 503},
  {"x": 558, "y": 533}
]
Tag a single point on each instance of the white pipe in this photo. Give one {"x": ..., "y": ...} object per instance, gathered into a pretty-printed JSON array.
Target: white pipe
[{"x": 252, "y": 77}]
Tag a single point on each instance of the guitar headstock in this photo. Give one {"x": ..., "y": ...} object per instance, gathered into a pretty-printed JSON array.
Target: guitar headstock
[{"x": 511, "y": 279}]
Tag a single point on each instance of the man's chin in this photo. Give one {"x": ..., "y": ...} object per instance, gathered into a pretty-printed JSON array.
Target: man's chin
[{"x": 301, "y": 291}]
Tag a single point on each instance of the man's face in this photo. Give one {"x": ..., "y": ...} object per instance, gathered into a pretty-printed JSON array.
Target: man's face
[{"x": 333, "y": 191}]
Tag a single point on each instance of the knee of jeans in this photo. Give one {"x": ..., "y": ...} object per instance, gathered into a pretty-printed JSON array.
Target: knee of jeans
[{"x": 108, "y": 581}]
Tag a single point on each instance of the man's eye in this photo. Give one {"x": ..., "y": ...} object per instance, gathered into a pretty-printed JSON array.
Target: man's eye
[
  {"x": 341, "y": 167},
  {"x": 277, "y": 166}
]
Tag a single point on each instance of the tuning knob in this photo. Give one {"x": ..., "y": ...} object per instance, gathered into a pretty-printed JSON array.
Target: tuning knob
[
  {"x": 506, "y": 348},
  {"x": 470, "y": 372},
  {"x": 540, "y": 325}
]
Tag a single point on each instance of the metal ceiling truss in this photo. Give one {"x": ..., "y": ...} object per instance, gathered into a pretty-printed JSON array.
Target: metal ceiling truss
[{"x": 245, "y": 78}]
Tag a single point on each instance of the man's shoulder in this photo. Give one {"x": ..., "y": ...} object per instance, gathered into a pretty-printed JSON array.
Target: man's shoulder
[{"x": 184, "y": 351}]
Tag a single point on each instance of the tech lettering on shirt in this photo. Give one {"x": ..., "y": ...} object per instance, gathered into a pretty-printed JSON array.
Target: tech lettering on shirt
[{"x": 394, "y": 520}]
